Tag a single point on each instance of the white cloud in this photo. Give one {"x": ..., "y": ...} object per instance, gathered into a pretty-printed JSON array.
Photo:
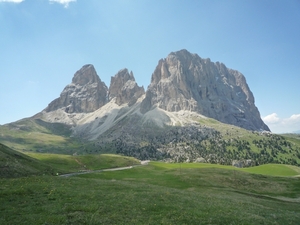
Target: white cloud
[
  {"x": 63, "y": 2},
  {"x": 282, "y": 125},
  {"x": 14, "y": 1},
  {"x": 294, "y": 118},
  {"x": 272, "y": 118}
]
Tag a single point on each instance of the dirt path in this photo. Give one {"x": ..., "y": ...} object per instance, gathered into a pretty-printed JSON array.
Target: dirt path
[{"x": 143, "y": 163}]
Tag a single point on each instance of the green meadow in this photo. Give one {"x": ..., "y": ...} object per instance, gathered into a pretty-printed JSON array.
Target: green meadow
[
  {"x": 157, "y": 193},
  {"x": 70, "y": 163}
]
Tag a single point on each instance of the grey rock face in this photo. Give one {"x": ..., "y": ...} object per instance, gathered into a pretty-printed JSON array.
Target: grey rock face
[
  {"x": 124, "y": 88},
  {"x": 86, "y": 93},
  {"x": 184, "y": 81}
]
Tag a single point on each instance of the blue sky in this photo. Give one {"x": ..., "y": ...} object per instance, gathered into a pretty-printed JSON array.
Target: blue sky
[{"x": 44, "y": 42}]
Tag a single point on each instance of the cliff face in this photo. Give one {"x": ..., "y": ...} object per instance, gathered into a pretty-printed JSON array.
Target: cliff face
[
  {"x": 184, "y": 81},
  {"x": 86, "y": 93},
  {"x": 124, "y": 88}
]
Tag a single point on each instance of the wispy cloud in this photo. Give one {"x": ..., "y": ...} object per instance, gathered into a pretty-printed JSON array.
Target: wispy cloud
[
  {"x": 282, "y": 125},
  {"x": 63, "y": 2},
  {"x": 13, "y": 1}
]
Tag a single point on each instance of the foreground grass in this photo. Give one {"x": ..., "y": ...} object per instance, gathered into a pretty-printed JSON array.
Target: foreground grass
[{"x": 153, "y": 194}]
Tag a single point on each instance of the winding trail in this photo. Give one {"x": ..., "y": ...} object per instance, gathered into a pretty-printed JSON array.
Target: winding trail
[{"x": 143, "y": 163}]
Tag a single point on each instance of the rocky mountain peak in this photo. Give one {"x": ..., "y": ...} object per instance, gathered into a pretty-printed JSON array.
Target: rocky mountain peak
[
  {"x": 118, "y": 81},
  {"x": 86, "y": 93},
  {"x": 87, "y": 74},
  {"x": 124, "y": 88},
  {"x": 184, "y": 81}
]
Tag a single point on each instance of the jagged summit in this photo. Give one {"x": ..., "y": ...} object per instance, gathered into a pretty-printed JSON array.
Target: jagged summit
[
  {"x": 87, "y": 74},
  {"x": 86, "y": 93},
  {"x": 124, "y": 88},
  {"x": 184, "y": 81}
]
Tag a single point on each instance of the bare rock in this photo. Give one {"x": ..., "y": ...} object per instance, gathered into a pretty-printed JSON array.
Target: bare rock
[
  {"x": 184, "y": 81},
  {"x": 124, "y": 88},
  {"x": 200, "y": 160},
  {"x": 86, "y": 93},
  {"x": 242, "y": 163}
]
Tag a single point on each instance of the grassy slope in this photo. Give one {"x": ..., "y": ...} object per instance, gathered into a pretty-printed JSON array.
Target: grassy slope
[
  {"x": 274, "y": 170},
  {"x": 36, "y": 135},
  {"x": 84, "y": 162},
  {"x": 16, "y": 164},
  {"x": 267, "y": 169},
  {"x": 154, "y": 194}
]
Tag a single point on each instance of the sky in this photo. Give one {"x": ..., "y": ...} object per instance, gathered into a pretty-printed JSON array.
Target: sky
[{"x": 44, "y": 42}]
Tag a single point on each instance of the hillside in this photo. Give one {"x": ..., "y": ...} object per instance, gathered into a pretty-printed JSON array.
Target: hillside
[
  {"x": 75, "y": 163},
  {"x": 39, "y": 136},
  {"x": 208, "y": 140},
  {"x": 203, "y": 140},
  {"x": 16, "y": 164}
]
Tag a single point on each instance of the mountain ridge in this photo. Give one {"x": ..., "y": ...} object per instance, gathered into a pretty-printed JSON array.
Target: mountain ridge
[
  {"x": 182, "y": 81},
  {"x": 194, "y": 110}
]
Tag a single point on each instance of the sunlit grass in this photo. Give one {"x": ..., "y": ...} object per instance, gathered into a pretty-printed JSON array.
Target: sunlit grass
[
  {"x": 74, "y": 163},
  {"x": 267, "y": 169},
  {"x": 273, "y": 169}
]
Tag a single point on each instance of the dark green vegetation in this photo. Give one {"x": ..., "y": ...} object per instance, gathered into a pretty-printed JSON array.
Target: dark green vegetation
[
  {"x": 213, "y": 141},
  {"x": 158, "y": 193}
]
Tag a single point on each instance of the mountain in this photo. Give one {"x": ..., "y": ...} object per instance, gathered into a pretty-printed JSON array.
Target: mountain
[
  {"x": 180, "y": 82},
  {"x": 86, "y": 93},
  {"x": 184, "y": 81},
  {"x": 194, "y": 110}
]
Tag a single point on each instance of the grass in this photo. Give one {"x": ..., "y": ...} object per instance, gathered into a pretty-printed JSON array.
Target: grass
[
  {"x": 273, "y": 170},
  {"x": 70, "y": 163},
  {"x": 16, "y": 164},
  {"x": 155, "y": 194},
  {"x": 35, "y": 135},
  {"x": 267, "y": 169}
]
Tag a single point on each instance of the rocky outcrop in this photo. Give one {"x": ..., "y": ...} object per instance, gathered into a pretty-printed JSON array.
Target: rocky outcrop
[
  {"x": 184, "y": 81},
  {"x": 124, "y": 88},
  {"x": 242, "y": 163},
  {"x": 86, "y": 93}
]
